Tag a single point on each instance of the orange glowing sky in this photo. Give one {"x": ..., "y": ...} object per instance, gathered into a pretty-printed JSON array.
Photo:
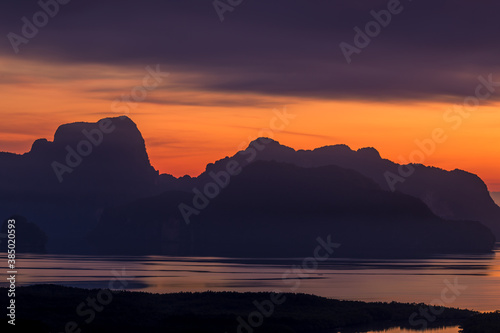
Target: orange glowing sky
[{"x": 185, "y": 128}]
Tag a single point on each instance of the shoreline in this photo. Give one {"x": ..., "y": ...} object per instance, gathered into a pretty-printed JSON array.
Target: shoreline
[{"x": 54, "y": 308}]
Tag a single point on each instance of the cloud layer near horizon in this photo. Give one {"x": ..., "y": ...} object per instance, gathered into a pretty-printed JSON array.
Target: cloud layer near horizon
[
  {"x": 227, "y": 77},
  {"x": 430, "y": 50}
]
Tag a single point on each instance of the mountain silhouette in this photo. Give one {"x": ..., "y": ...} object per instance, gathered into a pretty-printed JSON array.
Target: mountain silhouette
[
  {"x": 455, "y": 195},
  {"x": 64, "y": 184},
  {"x": 277, "y": 209},
  {"x": 96, "y": 175}
]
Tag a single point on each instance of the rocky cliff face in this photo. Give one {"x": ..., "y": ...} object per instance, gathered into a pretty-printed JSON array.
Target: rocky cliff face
[
  {"x": 108, "y": 156},
  {"x": 65, "y": 183}
]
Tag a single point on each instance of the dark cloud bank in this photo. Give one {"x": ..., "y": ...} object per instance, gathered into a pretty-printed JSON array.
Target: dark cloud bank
[{"x": 429, "y": 50}]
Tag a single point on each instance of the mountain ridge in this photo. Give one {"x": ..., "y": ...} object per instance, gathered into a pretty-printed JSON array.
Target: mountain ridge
[
  {"x": 118, "y": 171},
  {"x": 455, "y": 194},
  {"x": 261, "y": 212}
]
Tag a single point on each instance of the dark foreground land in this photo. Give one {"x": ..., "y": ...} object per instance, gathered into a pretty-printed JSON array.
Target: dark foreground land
[
  {"x": 51, "y": 308},
  {"x": 482, "y": 323}
]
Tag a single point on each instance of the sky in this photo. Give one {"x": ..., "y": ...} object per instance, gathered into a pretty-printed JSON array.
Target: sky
[{"x": 417, "y": 79}]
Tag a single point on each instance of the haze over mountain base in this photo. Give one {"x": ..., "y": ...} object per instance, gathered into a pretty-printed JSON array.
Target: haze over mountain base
[{"x": 496, "y": 197}]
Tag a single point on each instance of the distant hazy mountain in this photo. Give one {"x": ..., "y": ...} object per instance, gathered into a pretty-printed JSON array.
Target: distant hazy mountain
[
  {"x": 277, "y": 209},
  {"x": 90, "y": 168},
  {"x": 28, "y": 237}
]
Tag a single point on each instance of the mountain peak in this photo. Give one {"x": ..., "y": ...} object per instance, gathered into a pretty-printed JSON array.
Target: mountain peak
[
  {"x": 369, "y": 152},
  {"x": 269, "y": 143},
  {"x": 72, "y": 131}
]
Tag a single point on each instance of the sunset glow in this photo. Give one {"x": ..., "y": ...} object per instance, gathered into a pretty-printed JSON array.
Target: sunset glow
[
  {"x": 186, "y": 128},
  {"x": 250, "y": 166}
]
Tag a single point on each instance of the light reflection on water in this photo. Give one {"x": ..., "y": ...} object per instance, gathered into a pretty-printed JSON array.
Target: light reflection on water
[
  {"x": 420, "y": 281},
  {"x": 453, "y": 329}
]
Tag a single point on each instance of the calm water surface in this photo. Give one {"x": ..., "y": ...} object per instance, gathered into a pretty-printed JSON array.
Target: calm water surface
[
  {"x": 454, "y": 329},
  {"x": 477, "y": 278}
]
